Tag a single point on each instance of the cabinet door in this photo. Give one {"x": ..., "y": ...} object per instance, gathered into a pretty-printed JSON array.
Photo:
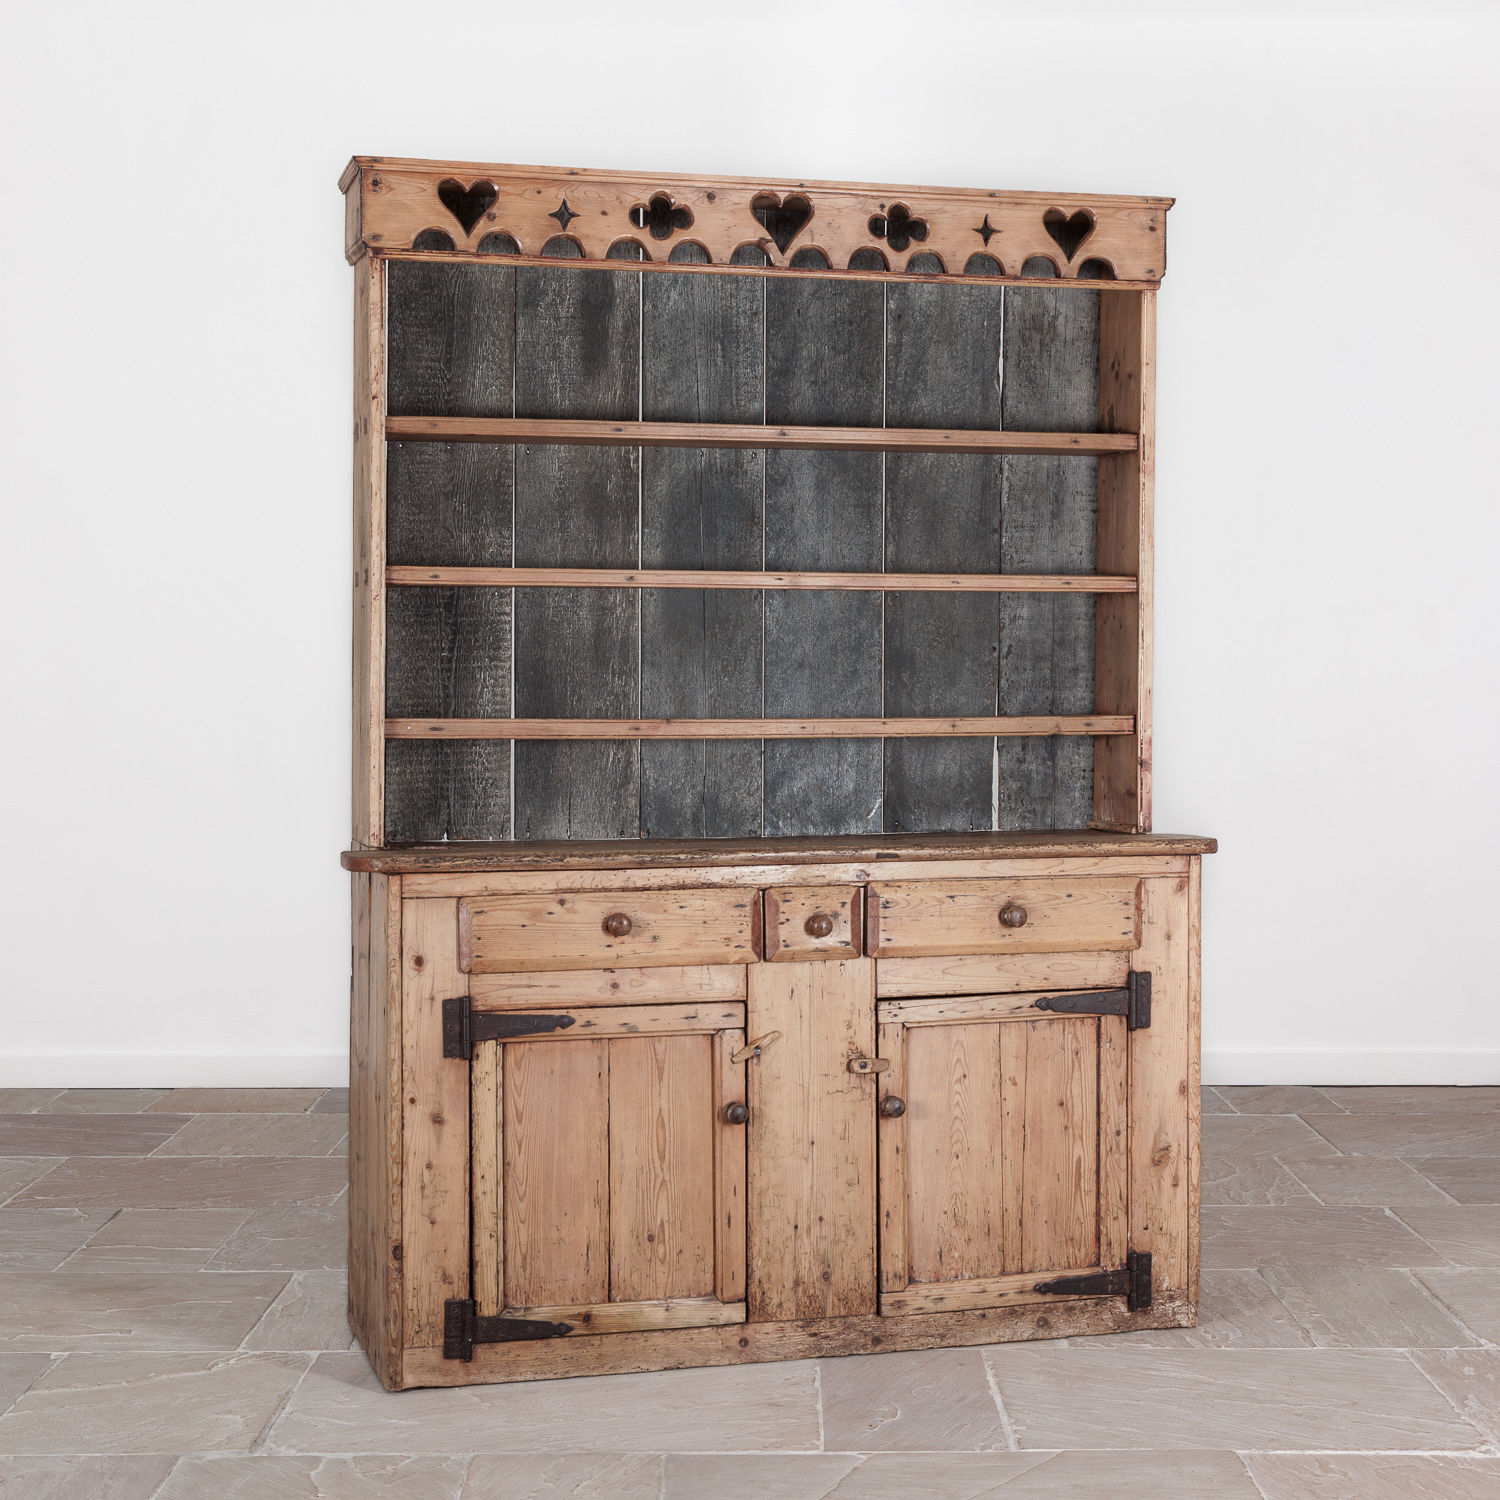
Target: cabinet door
[
  {"x": 1007, "y": 1167},
  {"x": 608, "y": 1184}
]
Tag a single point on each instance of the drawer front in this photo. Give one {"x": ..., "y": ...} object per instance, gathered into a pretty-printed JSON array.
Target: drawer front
[
  {"x": 812, "y": 921},
  {"x": 608, "y": 930},
  {"x": 917, "y": 919}
]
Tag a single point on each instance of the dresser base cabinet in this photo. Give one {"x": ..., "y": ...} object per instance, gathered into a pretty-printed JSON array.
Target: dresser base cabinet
[{"x": 623, "y": 1116}]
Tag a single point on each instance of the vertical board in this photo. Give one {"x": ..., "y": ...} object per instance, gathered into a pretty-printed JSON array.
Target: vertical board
[
  {"x": 486, "y": 1178},
  {"x": 1161, "y": 1122},
  {"x": 892, "y": 1184},
  {"x": 825, "y": 344},
  {"x": 556, "y": 1140},
  {"x": 729, "y": 1170},
  {"x": 955, "y": 1120},
  {"x": 661, "y": 1168},
  {"x": 435, "y": 1132},
  {"x": 576, "y": 653},
  {"x": 451, "y": 353},
  {"x": 702, "y": 360},
  {"x": 375, "y": 1291},
  {"x": 812, "y": 1141},
  {"x": 368, "y": 741},
  {"x": 1051, "y": 383},
  {"x": 1059, "y": 1176},
  {"x": 1123, "y": 640},
  {"x": 942, "y": 512}
]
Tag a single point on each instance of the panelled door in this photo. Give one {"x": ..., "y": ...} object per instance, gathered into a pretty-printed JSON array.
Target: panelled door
[
  {"x": 608, "y": 1170},
  {"x": 1002, "y": 1151}
]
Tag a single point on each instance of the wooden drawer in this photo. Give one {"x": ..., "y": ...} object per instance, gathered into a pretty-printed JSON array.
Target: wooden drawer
[
  {"x": 812, "y": 921},
  {"x": 915, "y": 919},
  {"x": 608, "y": 930}
]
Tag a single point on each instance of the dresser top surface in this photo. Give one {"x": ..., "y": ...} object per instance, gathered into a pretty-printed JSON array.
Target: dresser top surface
[{"x": 461, "y": 858}]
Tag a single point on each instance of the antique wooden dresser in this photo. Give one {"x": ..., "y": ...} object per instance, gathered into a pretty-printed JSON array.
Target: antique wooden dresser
[{"x": 760, "y": 947}]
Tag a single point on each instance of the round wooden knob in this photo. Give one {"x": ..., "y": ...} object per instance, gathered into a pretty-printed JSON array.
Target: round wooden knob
[
  {"x": 893, "y": 1107},
  {"x": 736, "y": 1113},
  {"x": 819, "y": 925},
  {"x": 1012, "y": 915},
  {"x": 617, "y": 924}
]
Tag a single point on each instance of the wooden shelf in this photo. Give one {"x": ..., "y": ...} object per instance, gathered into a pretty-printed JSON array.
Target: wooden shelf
[
  {"x": 568, "y": 433},
  {"x": 674, "y": 578},
  {"x": 752, "y": 729}
]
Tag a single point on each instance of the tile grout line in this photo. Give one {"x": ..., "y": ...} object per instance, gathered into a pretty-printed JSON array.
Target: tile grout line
[{"x": 257, "y": 1446}]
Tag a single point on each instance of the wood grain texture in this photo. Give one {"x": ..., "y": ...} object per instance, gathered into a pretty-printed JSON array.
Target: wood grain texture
[
  {"x": 376, "y": 1312},
  {"x": 998, "y": 974},
  {"x": 570, "y": 989},
  {"x": 730, "y": 1166},
  {"x": 398, "y": 201},
  {"x": 955, "y": 1116},
  {"x": 566, "y": 930},
  {"x": 893, "y": 1196},
  {"x": 661, "y": 1168},
  {"x": 860, "y": 854},
  {"x": 1161, "y": 1126},
  {"x": 1056, "y": 1191},
  {"x": 487, "y": 1177},
  {"x": 556, "y": 1136},
  {"x": 1123, "y": 631},
  {"x": 812, "y": 1152},
  {"x": 859, "y": 434},
  {"x": 702, "y": 360},
  {"x": 1018, "y": 1288},
  {"x": 367, "y": 780},
  {"x": 705, "y": 578},
  {"x": 1051, "y": 381},
  {"x": 577, "y": 356},
  {"x": 942, "y": 510},
  {"x": 825, "y": 347},
  {"x": 587, "y": 1318},
  {"x": 941, "y": 918},
  {"x": 809, "y": 663},
  {"x": 752, "y": 1343},
  {"x": 452, "y": 352},
  {"x": 789, "y": 910},
  {"x": 610, "y": 1021},
  {"x": 435, "y": 1242}
]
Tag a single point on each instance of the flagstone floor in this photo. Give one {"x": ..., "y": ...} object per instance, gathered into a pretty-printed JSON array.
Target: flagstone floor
[{"x": 172, "y": 1326}]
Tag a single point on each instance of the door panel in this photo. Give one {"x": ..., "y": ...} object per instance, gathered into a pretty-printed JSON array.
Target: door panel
[
  {"x": 608, "y": 1189},
  {"x": 1007, "y": 1165},
  {"x": 556, "y": 1172},
  {"x": 812, "y": 1141},
  {"x": 661, "y": 1168}
]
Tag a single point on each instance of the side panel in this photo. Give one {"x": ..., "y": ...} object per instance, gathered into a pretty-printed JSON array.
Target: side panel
[
  {"x": 435, "y": 1242},
  {"x": 1162, "y": 1144},
  {"x": 375, "y": 1263},
  {"x": 812, "y": 1141}
]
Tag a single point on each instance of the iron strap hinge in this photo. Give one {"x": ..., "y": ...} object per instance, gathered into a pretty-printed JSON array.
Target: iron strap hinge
[
  {"x": 463, "y": 1328},
  {"x": 1133, "y": 1001},
  {"x": 464, "y": 1027},
  {"x": 1132, "y": 1282}
]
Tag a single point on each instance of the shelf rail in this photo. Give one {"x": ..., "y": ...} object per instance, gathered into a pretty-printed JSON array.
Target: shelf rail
[
  {"x": 407, "y": 576},
  {"x": 755, "y": 729},
  {"x": 568, "y": 432}
]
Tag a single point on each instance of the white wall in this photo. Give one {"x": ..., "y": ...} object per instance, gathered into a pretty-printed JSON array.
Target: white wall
[{"x": 176, "y": 457}]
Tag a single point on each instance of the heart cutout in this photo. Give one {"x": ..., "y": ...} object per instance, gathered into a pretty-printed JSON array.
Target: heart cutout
[
  {"x": 782, "y": 219},
  {"x": 1069, "y": 230},
  {"x": 467, "y": 204}
]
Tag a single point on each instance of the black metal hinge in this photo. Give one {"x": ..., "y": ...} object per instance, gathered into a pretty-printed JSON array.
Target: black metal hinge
[
  {"x": 1132, "y": 1282},
  {"x": 1133, "y": 1001},
  {"x": 463, "y": 1328},
  {"x": 464, "y": 1027}
]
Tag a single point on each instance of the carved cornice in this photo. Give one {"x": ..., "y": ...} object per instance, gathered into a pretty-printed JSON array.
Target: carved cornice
[{"x": 460, "y": 208}]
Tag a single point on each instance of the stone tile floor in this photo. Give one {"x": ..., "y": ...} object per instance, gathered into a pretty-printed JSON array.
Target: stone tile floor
[{"x": 172, "y": 1325}]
